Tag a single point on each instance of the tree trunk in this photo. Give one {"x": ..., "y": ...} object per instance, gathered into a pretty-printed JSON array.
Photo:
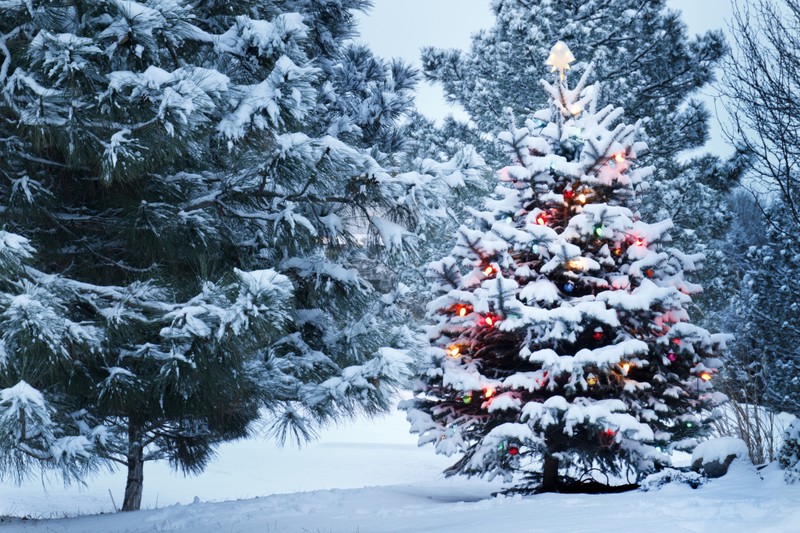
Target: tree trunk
[
  {"x": 549, "y": 474},
  {"x": 133, "y": 486}
]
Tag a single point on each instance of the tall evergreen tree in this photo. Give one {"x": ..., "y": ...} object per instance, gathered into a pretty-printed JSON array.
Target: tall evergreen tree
[
  {"x": 192, "y": 196},
  {"x": 561, "y": 340}
]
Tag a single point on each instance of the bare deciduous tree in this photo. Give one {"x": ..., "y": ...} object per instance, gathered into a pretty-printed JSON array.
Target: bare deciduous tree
[{"x": 762, "y": 82}]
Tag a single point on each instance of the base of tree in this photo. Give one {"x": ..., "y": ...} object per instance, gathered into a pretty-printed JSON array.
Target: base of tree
[
  {"x": 594, "y": 487},
  {"x": 574, "y": 487}
]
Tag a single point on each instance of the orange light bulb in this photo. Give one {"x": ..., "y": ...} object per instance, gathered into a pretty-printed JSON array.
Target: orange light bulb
[
  {"x": 705, "y": 376},
  {"x": 541, "y": 220},
  {"x": 626, "y": 367},
  {"x": 454, "y": 351},
  {"x": 619, "y": 157},
  {"x": 581, "y": 198},
  {"x": 488, "y": 270},
  {"x": 462, "y": 311},
  {"x": 488, "y": 392}
]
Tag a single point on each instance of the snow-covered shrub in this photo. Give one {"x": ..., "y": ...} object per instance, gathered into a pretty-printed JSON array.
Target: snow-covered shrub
[
  {"x": 789, "y": 455},
  {"x": 670, "y": 476}
]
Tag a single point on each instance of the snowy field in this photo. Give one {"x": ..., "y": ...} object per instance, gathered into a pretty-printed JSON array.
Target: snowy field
[{"x": 370, "y": 477}]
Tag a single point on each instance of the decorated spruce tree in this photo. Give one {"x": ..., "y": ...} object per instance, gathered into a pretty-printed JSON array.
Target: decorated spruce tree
[
  {"x": 561, "y": 341},
  {"x": 198, "y": 211}
]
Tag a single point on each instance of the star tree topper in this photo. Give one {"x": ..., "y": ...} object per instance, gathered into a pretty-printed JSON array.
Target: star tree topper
[{"x": 560, "y": 58}]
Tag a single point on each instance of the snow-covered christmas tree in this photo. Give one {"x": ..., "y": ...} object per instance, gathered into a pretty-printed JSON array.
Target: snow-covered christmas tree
[{"x": 562, "y": 345}]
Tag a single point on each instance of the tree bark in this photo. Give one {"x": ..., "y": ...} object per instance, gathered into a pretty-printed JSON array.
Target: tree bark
[
  {"x": 549, "y": 474},
  {"x": 133, "y": 486}
]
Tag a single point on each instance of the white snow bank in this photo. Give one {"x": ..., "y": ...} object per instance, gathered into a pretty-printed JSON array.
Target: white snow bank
[
  {"x": 742, "y": 503},
  {"x": 410, "y": 496}
]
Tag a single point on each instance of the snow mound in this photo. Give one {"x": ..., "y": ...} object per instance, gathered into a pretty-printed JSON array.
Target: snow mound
[{"x": 719, "y": 449}]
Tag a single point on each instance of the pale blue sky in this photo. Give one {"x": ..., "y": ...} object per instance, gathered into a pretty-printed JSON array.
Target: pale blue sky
[{"x": 399, "y": 28}]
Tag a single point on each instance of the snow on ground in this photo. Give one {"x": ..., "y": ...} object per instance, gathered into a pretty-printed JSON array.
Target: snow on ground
[
  {"x": 320, "y": 488},
  {"x": 358, "y": 454}
]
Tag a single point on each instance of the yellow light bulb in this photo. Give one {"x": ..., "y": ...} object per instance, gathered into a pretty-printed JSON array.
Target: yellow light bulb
[{"x": 576, "y": 264}]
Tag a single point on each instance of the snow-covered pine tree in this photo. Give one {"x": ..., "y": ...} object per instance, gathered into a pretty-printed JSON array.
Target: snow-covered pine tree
[
  {"x": 562, "y": 342},
  {"x": 191, "y": 195}
]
